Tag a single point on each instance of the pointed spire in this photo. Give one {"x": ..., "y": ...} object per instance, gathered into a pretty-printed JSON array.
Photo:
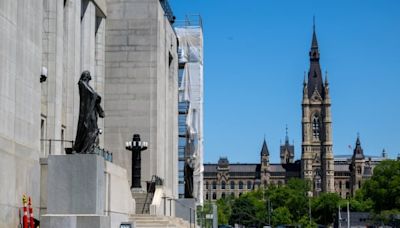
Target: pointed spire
[
  {"x": 358, "y": 152},
  {"x": 326, "y": 78},
  {"x": 304, "y": 80},
  {"x": 314, "y": 43},
  {"x": 287, "y": 136},
  {"x": 264, "y": 149},
  {"x": 315, "y": 80}
]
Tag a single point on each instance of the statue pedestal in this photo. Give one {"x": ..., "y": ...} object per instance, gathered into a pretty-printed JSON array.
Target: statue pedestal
[{"x": 75, "y": 192}]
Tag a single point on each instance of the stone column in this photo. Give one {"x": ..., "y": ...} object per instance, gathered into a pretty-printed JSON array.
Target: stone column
[
  {"x": 88, "y": 41},
  {"x": 53, "y": 35}
]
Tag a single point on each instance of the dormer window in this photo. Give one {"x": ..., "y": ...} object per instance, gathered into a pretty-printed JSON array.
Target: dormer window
[{"x": 316, "y": 128}]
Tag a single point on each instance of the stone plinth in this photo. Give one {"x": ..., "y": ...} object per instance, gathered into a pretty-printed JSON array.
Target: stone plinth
[
  {"x": 75, "y": 221},
  {"x": 75, "y": 184}
]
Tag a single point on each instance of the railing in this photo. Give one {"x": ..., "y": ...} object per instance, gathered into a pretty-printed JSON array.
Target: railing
[
  {"x": 191, "y": 211},
  {"x": 108, "y": 156},
  {"x": 151, "y": 188},
  {"x": 190, "y": 20},
  {"x": 51, "y": 141}
]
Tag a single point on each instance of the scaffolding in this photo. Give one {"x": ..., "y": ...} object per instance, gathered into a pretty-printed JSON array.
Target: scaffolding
[{"x": 190, "y": 154}]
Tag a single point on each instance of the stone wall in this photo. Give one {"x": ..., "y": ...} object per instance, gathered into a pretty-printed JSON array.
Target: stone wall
[
  {"x": 141, "y": 87},
  {"x": 20, "y": 65}
]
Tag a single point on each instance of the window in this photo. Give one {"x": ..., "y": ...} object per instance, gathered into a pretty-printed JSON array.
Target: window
[
  {"x": 347, "y": 185},
  {"x": 232, "y": 195},
  {"x": 316, "y": 128},
  {"x": 214, "y": 196},
  {"x": 223, "y": 195},
  {"x": 240, "y": 185},
  {"x": 359, "y": 170},
  {"x": 206, "y": 184},
  {"x": 232, "y": 185},
  {"x": 359, "y": 184},
  {"x": 214, "y": 185},
  {"x": 206, "y": 196},
  {"x": 223, "y": 185},
  {"x": 249, "y": 185},
  {"x": 340, "y": 185}
]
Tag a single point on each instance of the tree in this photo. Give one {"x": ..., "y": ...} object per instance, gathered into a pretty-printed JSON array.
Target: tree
[
  {"x": 325, "y": 207},
  {"x": 224, "y": 207},
  {"x": 383, "y": 189},
  {"x": 281, "y": 216},
  {"x": 242, "y": 212}
]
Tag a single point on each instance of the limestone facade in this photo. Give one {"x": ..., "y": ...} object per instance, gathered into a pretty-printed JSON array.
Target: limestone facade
[
  {"x": 141, "y": 93},
  {"x": 20, "y": 66},
  {"x": 128, "y": 44}
]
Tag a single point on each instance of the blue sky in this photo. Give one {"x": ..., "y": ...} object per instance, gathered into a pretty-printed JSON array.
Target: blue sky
[{"x": 255, "y": 55}]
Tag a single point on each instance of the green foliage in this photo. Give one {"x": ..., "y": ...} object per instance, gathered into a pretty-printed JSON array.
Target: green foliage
[
  {"x": 293, "y": 196},
  {"x": 243, "y": 212},
  {"x": 224, "y": 210},
  {"x": 324, "y": 207},
  {"x": 383, "y": 189},
  {"x": 281, "y": 216},
  {"x": 305, "y": 222}
]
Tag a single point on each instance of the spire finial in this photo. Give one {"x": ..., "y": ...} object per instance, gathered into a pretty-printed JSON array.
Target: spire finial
[
  {"x": 313, "y": 23},
  {"x": 314, "y": 43},
  {"x": 304, "y": 80},
  {"x": 287, "y": 135},
  {"x": 326, "y": 77}
]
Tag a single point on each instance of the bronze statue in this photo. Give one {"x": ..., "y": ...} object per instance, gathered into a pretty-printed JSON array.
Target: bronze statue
[{"x": 89, "y": 108}]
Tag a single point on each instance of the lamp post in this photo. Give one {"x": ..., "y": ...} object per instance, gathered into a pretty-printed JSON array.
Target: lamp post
[{"x": 136, "y": 146}]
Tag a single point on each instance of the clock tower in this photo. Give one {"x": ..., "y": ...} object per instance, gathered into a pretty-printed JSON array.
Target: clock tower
[{"x": 317, "y": 164}]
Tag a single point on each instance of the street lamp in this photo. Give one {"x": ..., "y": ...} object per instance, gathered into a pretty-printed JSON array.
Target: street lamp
[{"x": 136, "y": 146}]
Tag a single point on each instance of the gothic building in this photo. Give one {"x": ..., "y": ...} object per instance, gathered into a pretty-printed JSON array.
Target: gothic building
[
  {"x": 317, "y": 154},
  {"x": 343, "y": 174}
]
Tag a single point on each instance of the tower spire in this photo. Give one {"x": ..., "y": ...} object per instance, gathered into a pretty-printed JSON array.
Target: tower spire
[
  {"x": 287, "y": 136},
  {"x": 314, "y": 43},
  {"x": 315, "y": 82}
]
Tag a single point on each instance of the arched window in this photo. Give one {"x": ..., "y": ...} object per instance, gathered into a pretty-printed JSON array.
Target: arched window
[
  {"x": 232, "y": 185},
  {"x": 214, "y": 196},
  {"x": 240, "y": 185},
  {"x": 223, "y": 195},
  {"x": 214, "y": 185},
  {"x": 358, "y": 169},
  {"x": 206, "y": 196},
  {"x": 316, "y": 127},
  {"x": 223, "y": 185},
  {"x": 249, "y": 185},
  {"x": 206, "y": 184}
]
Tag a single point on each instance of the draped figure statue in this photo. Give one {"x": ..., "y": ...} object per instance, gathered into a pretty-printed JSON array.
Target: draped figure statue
[{"x": 89, "y": 109}]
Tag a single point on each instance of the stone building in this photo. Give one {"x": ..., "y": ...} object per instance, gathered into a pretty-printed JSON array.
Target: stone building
[
  {"x": 326, "y": 173},
  {"x": 130, "y": 48},
  {"x": 141, "y": 93}
]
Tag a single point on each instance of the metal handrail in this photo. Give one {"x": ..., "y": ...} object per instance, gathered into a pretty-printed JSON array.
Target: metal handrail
[
  {"x": 155, "y": 181},
  {"x": 56, "y": 140}
]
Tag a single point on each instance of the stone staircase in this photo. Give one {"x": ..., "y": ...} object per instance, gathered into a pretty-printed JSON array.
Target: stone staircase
[
  {"x": 140, "y": 198},
  {"x": 153, "y": 221}
]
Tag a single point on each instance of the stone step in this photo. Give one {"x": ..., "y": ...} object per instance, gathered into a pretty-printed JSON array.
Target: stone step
[{"x": 145, "y": 220}]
